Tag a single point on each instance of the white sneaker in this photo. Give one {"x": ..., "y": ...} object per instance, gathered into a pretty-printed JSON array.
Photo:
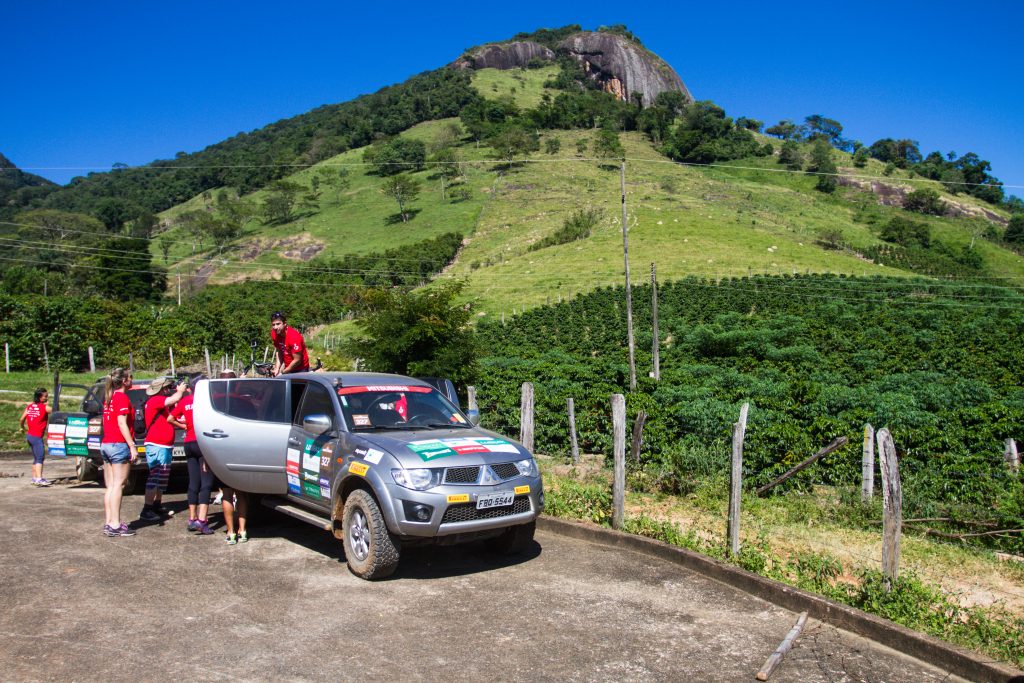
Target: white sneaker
[{"x": 218, "y": 498}]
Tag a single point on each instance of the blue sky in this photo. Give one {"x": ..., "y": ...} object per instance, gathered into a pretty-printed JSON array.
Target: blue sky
[{"x": 92, "y": 84}]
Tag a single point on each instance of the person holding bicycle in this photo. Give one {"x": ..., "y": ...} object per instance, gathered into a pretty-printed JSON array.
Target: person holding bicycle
[{"x": 289, "y": 345}]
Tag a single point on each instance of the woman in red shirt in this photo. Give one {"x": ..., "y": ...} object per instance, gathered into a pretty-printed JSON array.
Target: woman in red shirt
[
  {"x": 117, "y": 447},
  {"x": 33, "y": 421}
]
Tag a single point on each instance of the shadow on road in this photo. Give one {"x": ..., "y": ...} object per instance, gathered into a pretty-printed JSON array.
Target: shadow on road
[{"x": 418, "y": 562}]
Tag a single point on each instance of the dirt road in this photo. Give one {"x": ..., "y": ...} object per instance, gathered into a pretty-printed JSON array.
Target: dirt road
[{"x": 168, "y": 605}]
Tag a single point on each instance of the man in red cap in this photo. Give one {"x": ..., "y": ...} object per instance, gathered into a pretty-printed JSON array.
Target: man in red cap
[{"x": 290, "y": 346}]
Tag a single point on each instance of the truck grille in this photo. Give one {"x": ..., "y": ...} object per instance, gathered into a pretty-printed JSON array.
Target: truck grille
[
  {"x": 505, "y": 470},
  {"x": 461, "y": 475},
  {"x": 467, "y": 512},
  {"x": 471, "y": 475}
]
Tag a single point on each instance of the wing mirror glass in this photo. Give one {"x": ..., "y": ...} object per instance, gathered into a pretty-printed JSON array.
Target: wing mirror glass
[{"x": 317, "y": 423}]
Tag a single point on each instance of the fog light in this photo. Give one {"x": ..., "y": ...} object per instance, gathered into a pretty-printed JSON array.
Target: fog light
[{"x": 417, "y": 512}]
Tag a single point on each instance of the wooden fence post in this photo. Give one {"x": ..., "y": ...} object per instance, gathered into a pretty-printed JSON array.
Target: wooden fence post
[
  {"x": 867, "y": 466},
  {"x": 1011, "y": 456},
  {"x": 131, "y": 363},
  {"x": 7, "y": 358},
  {"x": 739, "y": 430},
  {"x": 209, "y": 369},
  {"x": 619, "y": 480},
  {"x": 638, "y": 435},
  {"x": 892, "y": 506},
  {"x": 526, "y": 417},
  {"x": 472, "y": 410},
  {"x": 572, "y": 432},
  {"x": 170, "y": 351},
  {"x": 92, "y": 361},
  {"x": 266, "y": 351},
  {"x": 46, "y": 358}
]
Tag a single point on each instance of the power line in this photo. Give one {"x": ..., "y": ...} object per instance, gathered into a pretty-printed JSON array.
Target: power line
[{"x": 474, "y": 162}]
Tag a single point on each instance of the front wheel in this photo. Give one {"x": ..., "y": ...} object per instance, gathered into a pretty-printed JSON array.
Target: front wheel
[{"x": 370, "y": 549}]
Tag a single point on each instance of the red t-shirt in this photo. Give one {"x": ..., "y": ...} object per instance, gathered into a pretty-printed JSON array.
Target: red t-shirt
[
  {"x": 36, "y": 422},
  {"x": 290, "y": 346},
  {"x": 183, "y": 413},
  {"x": 119, "y": 405},
  {"x": 160, "y": 432}
]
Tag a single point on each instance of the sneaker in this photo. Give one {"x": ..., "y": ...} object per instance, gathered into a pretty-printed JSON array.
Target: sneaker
[
  {"x": 232, "y": 539},
  {"x": 110, "y": 531},
  {"x": 42, "y": 482},
  {"x": 193, "y": 525},
  {"x": 218, "y": 498},
  {"x": 243, "y": 537},
  {"x": 203, "y": 527},
  {"x": 125, "y": 530},
  {"x": 162, "y": 511},
  {"x": 148, "y": 514}
]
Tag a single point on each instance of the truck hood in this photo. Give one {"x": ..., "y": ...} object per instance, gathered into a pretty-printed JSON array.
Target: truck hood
[{"x": 456, "y": 447}]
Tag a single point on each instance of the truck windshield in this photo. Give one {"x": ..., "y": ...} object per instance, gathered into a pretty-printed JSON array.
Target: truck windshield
[{"x": 397, "y": 407}]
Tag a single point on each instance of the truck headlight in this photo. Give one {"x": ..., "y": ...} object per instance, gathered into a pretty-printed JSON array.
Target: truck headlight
[
  {"x": 527, "y": 468},
  {"x": 416, "y": 479}
]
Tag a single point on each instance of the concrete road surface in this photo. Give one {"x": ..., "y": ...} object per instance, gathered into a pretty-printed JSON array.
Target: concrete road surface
[{"x": 166, "y": 605}]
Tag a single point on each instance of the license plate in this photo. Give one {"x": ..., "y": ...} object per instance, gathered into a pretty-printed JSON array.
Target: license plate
[
  {"x": 178, "y": 452},
  {"x": 495, "y": 500}
]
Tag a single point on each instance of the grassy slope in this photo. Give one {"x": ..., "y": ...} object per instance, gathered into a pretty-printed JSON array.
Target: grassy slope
[{"x": 689, "y": 220}]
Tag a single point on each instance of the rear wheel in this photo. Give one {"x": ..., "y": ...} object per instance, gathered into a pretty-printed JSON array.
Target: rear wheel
[
  {"x": 86, "y": 470},
  {"x": 370, "y": 549},
  {"x": 514, "y": 540}
]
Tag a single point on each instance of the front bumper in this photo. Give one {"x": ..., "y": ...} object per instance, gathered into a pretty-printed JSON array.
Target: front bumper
[{"x": 454, "y": 508}]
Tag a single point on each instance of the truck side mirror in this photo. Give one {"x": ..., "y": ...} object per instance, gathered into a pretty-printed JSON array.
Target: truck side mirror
[
  {"x": 317, "y": 423},
  {"x": 474, "y": 417}
]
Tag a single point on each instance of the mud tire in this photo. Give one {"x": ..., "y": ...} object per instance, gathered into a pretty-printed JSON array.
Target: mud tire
[{"x": 371, "y": 550}]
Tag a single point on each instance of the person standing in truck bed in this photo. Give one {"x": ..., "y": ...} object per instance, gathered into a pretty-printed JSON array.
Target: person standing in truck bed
[{"x": 290, "y": 346}]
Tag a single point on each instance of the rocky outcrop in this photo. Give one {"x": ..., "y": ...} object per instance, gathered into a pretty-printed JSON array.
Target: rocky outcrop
[
  {"x": 622, "y": 67},
  {"x": 617, "y": 64},
  {"x": 896, "y": 195},
  {"x": 504, "y": 56}
]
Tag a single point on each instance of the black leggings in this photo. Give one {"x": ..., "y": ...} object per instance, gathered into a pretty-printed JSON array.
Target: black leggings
[{"x": 200, "y": 478}]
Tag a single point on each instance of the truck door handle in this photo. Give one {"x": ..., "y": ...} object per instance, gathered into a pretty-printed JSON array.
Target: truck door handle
[
  {"x": 216, "y": 434},
  {"x": 293, "y": 441}
]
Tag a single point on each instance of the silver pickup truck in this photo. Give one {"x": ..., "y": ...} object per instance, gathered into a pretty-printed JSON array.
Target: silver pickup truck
[{"x": 379, "y": 460}]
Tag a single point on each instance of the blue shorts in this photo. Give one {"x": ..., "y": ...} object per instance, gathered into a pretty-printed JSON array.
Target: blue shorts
[
  {"x": 116, "y": 453},
  {"x": 38, "y": 452},
  {"x": 158, "y": 455}
]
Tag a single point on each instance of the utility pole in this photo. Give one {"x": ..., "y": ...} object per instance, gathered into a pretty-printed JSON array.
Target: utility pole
[{"x": 629, "y": 291}]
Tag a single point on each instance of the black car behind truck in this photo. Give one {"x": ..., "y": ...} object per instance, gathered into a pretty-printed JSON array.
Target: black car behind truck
[{"x": 89, "y": 461}]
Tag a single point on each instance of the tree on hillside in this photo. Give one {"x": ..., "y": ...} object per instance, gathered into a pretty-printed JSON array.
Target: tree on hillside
[
  {"x": 52, "y": 238},
  {"x": 343, "y": 181},
  {"x": 512, "y": 141},
  {"x": 404, "y": 189},
  {"x": 396, "y": 155},
  {"x": 706, "y": 134},
  {"x": 123, "y": 271},
  {"x": 750, "y": 124},
  {"x": 860, "y": 157},
  {"x": 821, "y": 163},
  {"x": 279, "y": 205},
  {"x": 784, "y": 130},
  {"x": 115, "y": 212},
  {"x": 818, "y": 126},
  {"x": 656, "y": 122},
  {"x": 790, "y": 155},
  {"x": 1015, "y": 229},
  {"x": 607, "y": 145},
  {"x": 925, "y": 200},
  {"x": 423, "y": 333},
  {"x": 552, "y": 145}
]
